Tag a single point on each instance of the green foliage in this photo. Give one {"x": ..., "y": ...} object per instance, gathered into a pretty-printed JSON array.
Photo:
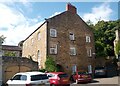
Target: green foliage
[
  {"x": 42, "y": 70},
  {"x": 10, "y": 54},
  {"x": 50, "y": 64},
  {"x": 104, "y": 33}
]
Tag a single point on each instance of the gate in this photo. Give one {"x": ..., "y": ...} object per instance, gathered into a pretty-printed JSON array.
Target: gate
[{"x": 10, "y": 71}]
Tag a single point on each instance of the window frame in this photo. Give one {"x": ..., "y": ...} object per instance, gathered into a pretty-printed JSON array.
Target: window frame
[
  {"x": 89, "y": 52},
  {"x": 53, "y": 32},
  {"x": 88, "y": 39},
  {"x": 73, "y": 51},
  {"x": 53, "y": 48},
  {"x": 71, "y": 36}
]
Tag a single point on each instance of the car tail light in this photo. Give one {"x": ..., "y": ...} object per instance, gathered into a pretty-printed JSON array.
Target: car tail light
[
  {"x": 80, "y": 76},
  {"x": 58, "y": 78}
]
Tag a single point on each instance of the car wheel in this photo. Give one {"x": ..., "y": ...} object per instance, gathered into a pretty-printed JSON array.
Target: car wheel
[
  {"x": 72, "y": 79},
  {"x": 52, "y": 85}
]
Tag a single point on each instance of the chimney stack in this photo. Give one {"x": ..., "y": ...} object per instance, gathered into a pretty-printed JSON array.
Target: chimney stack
[{"x": 71, "y": 8}]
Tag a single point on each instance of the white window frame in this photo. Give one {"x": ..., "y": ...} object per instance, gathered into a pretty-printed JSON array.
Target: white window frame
[
  {"x": 53, "y": 49},
  {"x": 72, "y": 51},
  {"x": 72, "y": 36},
  {"x": 88, "y": 39},
  {"x": 53, "y": 32},
  {"x": 89, "y": 52}
]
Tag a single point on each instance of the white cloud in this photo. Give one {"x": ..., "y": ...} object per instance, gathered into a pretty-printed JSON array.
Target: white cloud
[
  {"x": 102, "y": 12},
  {"x": 56, "y": 13},
  {"x": 14, "y": 25}
]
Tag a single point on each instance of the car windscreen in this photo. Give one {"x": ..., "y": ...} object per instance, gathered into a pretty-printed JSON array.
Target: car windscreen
[
  {"x": 38, "y": 77},
  {"x": 63, "y": 75},
  {"x": 99, "y": 68}
]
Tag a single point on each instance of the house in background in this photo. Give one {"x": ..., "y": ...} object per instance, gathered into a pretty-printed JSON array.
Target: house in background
[
  {"x": 117, "y": 34},
  {"x": 66, "y": 38},
  {"x": 10, "y": 50},
  {"x": 11, "y": 62}
]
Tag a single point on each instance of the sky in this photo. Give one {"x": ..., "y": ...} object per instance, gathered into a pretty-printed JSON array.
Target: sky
[{"x": 18, "y": 19}]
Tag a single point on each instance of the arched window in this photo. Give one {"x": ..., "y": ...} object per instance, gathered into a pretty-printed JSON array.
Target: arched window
[
  {"x": 38, "y": 36},
  {"x": 38, "y": 56}
]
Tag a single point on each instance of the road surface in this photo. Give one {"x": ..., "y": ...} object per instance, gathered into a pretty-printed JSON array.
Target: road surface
[{"x": 112, "y": 81}]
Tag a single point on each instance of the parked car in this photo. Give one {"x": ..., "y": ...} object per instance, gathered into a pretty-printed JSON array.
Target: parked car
[
  {"x": 58, "y": 78},
  {"x": 29, "y": 79},
  {"x": 100, "y": 72},
  {"x": 80, "y": 77}
]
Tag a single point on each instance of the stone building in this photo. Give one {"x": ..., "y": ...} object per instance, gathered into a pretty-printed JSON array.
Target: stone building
[
  {"x": 13, "y": 65},
  {"x": 11, "y": 62},
  {"x": 11, "y": 50},
  {"x": 66, "y": 38},
  {"x": 117, "y": 34}
]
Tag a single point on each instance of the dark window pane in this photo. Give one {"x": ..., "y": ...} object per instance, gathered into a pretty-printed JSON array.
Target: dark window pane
[
  {"x": 17, "y": 77},
  {"x": 39, "y": 77},
  {"x": 63, "y": 75}
]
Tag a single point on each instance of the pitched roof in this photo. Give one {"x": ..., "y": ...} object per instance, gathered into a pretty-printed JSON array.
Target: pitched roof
[
  {"x": 11, "y": 48},
  {"x": 47, "y": 19}
]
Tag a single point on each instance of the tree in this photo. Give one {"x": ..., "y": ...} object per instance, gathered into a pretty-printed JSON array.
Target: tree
[
  {"x": 2, "y": 38},
  {"x": 104, "y": 32},
  {"x": 10, "y": 54},
  {"x": 50, "y": 64}
]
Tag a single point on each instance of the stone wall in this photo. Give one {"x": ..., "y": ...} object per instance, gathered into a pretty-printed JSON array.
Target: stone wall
[
  {"x": 19, "y": 64},
  {"x": 65, "y": 23},
  {"x": 37, "y": 42}
]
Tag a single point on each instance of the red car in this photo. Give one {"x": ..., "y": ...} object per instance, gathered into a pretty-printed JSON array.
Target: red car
[
  {"x": 58, "y": 78},
  {"x": 81, "y": 76}
]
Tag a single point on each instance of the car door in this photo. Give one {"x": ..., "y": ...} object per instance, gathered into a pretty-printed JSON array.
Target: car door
[
  {"x": 17, "y": 80},
  {"x": 39, "y": 79}
]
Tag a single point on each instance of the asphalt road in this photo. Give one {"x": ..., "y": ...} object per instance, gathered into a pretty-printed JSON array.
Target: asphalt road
[{"x": 111, "y": 81}]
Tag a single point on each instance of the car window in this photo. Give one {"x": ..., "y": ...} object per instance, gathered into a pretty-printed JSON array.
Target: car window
[
  {"x": 38, "y": 77},
  {"x": 24, "y": 77},
  {"x": 51, "y": 75},
  {"x": 63, "y": 75},
  {"x": 82, "y": 73},
  {"x": 99, "y": 68},
  {"x": 17, "y": 77},
  {"x": 20, "y": 77}
]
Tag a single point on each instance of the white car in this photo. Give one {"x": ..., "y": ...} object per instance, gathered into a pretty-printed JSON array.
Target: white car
[{"x": 29, "y": 79}]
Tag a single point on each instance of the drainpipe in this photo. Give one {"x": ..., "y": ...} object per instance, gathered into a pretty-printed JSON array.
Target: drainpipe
[{"x": 1, "y": 69}]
